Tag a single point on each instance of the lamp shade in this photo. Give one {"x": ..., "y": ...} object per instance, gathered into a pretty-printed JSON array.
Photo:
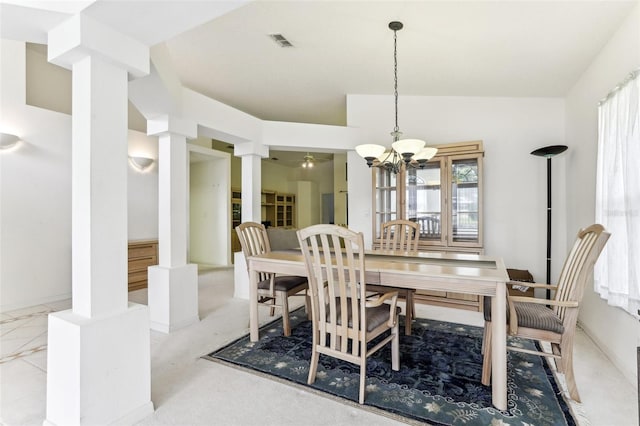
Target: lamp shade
[
  {"x": 549, "y": 151},
  {"x": 141, "y": 163},
  {"x": 425, "y": 154},
  {"x": 408, "y": 146},
  {"x": 7, "y": 140},
  {"x": 370, "y": 150}
]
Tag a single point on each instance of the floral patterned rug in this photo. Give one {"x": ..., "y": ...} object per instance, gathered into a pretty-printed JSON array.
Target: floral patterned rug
[{"x": 438, "y": 382}]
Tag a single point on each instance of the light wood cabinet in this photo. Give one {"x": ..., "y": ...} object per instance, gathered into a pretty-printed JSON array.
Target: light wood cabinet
[
  {"x": 142, "y": 254},
  {"x": 236, "y": 218},
  {"x": 277, "y": 210},
  {"x": 268, "y": 203},
  {"x": 445, "y": 198},
  {"x": 285, "y": 210}
]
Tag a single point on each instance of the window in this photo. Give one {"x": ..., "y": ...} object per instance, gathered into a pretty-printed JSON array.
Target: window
[{"x": 617, "y": 273}]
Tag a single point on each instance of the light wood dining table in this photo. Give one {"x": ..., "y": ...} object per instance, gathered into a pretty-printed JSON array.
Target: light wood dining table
[{"x": 460, "y": 273}]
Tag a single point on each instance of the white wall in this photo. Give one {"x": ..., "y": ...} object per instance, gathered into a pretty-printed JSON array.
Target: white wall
[
  {"x": 615, "y": 331},
  {"x": 35, "y": 194},
  {"x": 210, "y": 210},
  {"x": 514, "y": 180},
  {"x": 143, "y": 189},
  {"x": 308, "y": 204}
]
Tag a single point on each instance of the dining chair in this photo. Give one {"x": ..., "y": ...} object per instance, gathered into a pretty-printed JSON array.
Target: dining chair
[
  {"x": 552, "y": 321},
  {"x": 400, "y": 235},
  {"x": 273, "y": 290},
  {"x": 429, "y": 227},
  {"x": 344, "y": 320}
]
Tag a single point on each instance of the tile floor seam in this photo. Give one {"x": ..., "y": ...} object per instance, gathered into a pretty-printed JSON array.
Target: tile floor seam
[
  {"x": 24, "y": 350},
  {"x": 28, "y": 360},
  {"x": 22, "y": 354},
  {"x": 25, "y": 316}
]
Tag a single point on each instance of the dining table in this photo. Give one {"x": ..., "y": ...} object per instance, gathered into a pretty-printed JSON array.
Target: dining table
[{"x": 481, "y": 275}]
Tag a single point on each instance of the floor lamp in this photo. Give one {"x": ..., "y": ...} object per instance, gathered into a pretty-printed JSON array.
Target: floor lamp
[{"x": 549, "y": 152}]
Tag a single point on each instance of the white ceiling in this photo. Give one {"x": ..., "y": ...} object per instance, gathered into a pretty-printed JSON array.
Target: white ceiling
[
  {"x": 447, "y": 48},
  {"x": 507, "y": 48}
]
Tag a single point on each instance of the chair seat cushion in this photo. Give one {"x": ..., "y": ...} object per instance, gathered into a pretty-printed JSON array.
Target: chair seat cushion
[
  {"x": 283, "y": 283},
  {"x": 530, "y": 315},
  {"x": 375, "y": 316}
]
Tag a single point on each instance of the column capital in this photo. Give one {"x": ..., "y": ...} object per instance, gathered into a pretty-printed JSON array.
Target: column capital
[
  {"x": 251, "y": 148},
  {"x": 81, "y": 36},
  {"x": 167, "y": 124}
]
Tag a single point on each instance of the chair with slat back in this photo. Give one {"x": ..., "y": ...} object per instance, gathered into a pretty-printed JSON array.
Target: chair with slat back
[
  {"x": 552, "y": 321},
  {"x": 254, "y": 240},
  {"x": 429, "y": 227},
  {"x": 344, "y": 320},
  {"x": 402, "y": 236}
]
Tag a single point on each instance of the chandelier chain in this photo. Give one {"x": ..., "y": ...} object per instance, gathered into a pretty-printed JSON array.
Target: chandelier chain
[
  {"x": 396, "y": 129},
  {"x": 404, "y": 153}
]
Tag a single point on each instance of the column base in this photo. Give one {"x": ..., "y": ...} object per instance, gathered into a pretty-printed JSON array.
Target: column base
[
  {"x": 173, "y": 297},
  {"x": 98, "y": 369},
  {"x": 240, "y": 277}
]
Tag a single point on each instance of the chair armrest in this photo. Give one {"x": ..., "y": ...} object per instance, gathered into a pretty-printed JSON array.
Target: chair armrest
[
  {"x": 562, "y": 304},
  {"x": 377, "y": 301},
  {"x": 393, "y": 296},
  {"x": 533, "y": 285}
]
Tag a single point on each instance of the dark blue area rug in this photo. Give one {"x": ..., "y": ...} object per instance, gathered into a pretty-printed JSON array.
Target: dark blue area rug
[{"x": 438, "y": 382}]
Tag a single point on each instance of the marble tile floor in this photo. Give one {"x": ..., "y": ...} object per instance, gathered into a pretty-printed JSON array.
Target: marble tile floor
[{"x": 190, "y": 391}]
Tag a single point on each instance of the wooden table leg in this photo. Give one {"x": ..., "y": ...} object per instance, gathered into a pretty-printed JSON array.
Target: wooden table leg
[
  {"x": 253, "y": 306},
  {"x": 499, "y": 348}
]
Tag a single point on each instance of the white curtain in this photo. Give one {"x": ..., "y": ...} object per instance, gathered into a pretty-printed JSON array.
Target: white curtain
[{"x": 617, "y": 273}]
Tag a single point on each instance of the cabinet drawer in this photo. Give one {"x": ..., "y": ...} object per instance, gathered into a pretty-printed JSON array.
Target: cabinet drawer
[
  {"x": 142, "y": 254},
  {"x": 463, "y": 296},
  {"x": 135, "y": 277},
  {"x": 142, "y": 263},
  {"x": 142, "y": 250}
]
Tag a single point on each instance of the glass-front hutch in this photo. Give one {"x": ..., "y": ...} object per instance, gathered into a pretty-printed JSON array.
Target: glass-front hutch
[{"x": 445, "y": 198}]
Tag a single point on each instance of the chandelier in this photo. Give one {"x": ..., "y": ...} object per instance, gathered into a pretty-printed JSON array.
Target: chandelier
[{"x": 411, "y": 152}]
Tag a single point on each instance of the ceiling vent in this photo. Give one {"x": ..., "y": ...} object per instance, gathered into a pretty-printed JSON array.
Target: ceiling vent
[{"x": 282, "y": 42}]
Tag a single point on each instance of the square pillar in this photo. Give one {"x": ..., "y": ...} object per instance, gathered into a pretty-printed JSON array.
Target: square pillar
[
  {"x": 173, "y": 284},
  {"x": 98, "y": 368},
  {"x": 173, "y": 297},
  {"x": 98, "y": 360}
]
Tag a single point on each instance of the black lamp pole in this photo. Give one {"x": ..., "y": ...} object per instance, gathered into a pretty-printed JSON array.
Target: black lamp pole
[{"x": 549, "y": 152}]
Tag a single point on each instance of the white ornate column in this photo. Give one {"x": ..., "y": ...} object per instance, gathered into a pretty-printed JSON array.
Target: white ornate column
[
  {"x": 173, "y": 284},
  {"x": 251, "y": 154},
  {"x": 98, "y": 361}
]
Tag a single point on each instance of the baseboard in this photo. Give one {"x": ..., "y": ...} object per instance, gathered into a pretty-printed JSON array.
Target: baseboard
[
  {"x": 33, "y": 302},
  {"x": 132, "y": 417},
  {"x": 136, "y": 415},
  {"x": 166, "y": 328}
]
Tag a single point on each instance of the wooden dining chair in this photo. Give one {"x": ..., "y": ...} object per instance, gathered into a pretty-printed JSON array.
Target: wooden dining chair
[
  {"x": 273, "y": 290},
  {"x": 400, "y": 235},
  {"x": 552, "y": 321},
  {"x": 344, "y": 320}
]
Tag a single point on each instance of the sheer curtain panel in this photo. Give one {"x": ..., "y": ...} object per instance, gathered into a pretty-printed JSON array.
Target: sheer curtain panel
[{"x": 617, "y": 273}]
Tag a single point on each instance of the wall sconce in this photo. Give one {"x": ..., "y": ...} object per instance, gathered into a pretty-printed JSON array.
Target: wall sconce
[
  {"x": 8, "y": 141},
  {"x": 141, "y": 163}
]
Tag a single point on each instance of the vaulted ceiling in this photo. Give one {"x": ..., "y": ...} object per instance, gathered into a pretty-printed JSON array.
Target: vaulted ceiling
[
  {"x": 509, "y": 48},
  {"x": 446, "y": 48}
]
